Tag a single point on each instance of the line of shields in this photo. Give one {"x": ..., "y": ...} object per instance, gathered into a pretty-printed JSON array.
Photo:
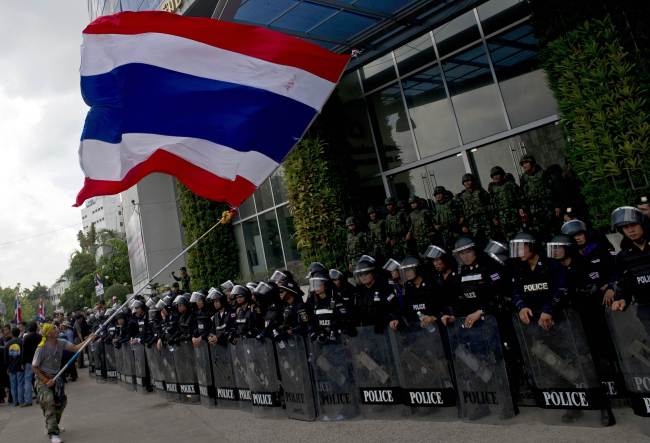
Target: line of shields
[{"x": 433, "y": 373}]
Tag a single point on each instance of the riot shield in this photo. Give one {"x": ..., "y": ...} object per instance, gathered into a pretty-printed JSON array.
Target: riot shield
[
  {"x": 128, "y": 366},
  {"x": 334, "y": 380},
  {"x": 142, "y": 376},
  {"x": 262, "y": 378},
  {"x": 376, "y": 374},
  {"x": 119, "y": 365},
  {"x": 100, "y": 362},
  {"x": 238, "y": 358},
  {"x": 186, "y": 372},
  {"x": 296, "y": 377},
  {"x": 423, "y": 372},
  {"x": 204, "y": 374},
  {"x": 481, "y": 376},
  {"x": 91, "y": 358},
  {"x": 561, "y": 370},
  {"x": 111, "y": 364},
  {"x": 224, "y": 377},
  {"x": 630, "y": 332},
  {"x": 155, "y": 367},
  {"x": 168, "y": 369}
]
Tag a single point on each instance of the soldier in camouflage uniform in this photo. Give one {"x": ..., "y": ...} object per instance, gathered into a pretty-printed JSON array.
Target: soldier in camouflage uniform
[
  {"x": 397, "y": 226},
  {"x": 446, "y": 216},
  {"x": 475, "y": 204},
  {"x": 507, "y": 205},
  {"x": 422, "y": 230},
  {"x": 357, "y": 243},
  {"x": 536, "y": 190},
  {"x": 377, "y": 235}
]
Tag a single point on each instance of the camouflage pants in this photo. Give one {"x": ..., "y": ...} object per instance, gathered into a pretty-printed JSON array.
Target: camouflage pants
[{"x": 51, "y": 409}]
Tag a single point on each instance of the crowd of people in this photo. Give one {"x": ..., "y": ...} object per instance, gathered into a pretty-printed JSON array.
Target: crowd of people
[{"x": 535, "y": 281}]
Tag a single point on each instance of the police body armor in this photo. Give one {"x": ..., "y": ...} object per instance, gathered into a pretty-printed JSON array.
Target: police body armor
[
  {"x": 375, "y": 373},
  {"x": 561, "y": 368},
  {"x": 480, "y": 370},
  {"x": 630, "y": 332},
  {"x": 296, "y": 376},
  {"x": 262, "y": 378},
  {"x": 203, "y": 359}
]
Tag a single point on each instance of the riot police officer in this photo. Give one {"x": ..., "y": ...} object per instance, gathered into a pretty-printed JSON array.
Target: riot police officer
[
  {"x": 223, "y": 320},
  {"x": 330, "y": 315},
  {"x": 226, "y": 288},
  {"x": 395, "y": 280},
  {"x": 296, "y": 318},
  {"x": 344, "y": 291},
  {"x": 186, "y": 321},
  {"x": 444, "y": 274},
  {"x": 139, "y": 323},
  {"x": 268, "y": 301},
  {"x": 245, "y": 321},
  {"x": 422, "y": 305},
  {"x": 203, "y": 315},
  {"x": 377, "y": 303}
]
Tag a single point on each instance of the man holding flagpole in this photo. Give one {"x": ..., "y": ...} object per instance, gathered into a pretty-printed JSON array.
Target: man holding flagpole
[{"x": 45, "y": 365}]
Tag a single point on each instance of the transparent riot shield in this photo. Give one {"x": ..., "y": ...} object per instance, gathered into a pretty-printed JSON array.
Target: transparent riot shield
[
  {"x": 91, "y": 358},
  {"x": 296, "y": 377},
  {"x": 155, "y": 367},
  {"x": 481, "y": 376},
  {"x": 111, "y": 364},
  {"x": 204, "y": 374},
  {"x": 336, "y": 390},
  {"x": 142, "y": 376},
  {"x": 168, "y": 369},
  {"x": 100, "y": 362},
  {"x": 424, "y": 374},
  {"x": 186, "y": 373},
  {"x": 238, "y": 358},
  {"x": 376, "y": 374},
  {"x": 128, "y": 366},
  {"x": 262, "y": 378},
  {"x": 630, "y": 331},
  {"x": 561, "y": 370},
  {"x": 223, "y": 376},
  {"x": 119, "y": 365}
]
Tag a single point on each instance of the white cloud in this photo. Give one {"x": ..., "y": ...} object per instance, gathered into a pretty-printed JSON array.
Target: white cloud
[{"x": 41, "y": 116}]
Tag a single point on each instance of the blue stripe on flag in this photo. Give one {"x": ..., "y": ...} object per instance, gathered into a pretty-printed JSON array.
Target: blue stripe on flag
[{"x": 139, "y": 98}]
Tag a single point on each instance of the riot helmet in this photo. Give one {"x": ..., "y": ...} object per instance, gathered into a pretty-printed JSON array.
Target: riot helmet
[
  {"x": 251, "y": 285},
  {"x": 315, "y": 267},
  {"x": 522, "y": 245},
  {"x": 465, "y": 250},
  {"x": 558, "y": 247},
  {"x": 335, "y": 274},
  {"x": 626, "y": 215},
  {"x": 160, "y": 305},
  {"x": 289, "y": 286},
  {"x": 239, "y": 291},
  {"x": 318, "y": 282},
  {"x": 180, "y": 300},
  {"x": 364, "y": 269},
  {"x": 573, "y": 227},
  {"x": 196, "y": 297},
  {"x": 434, "y": 251},
  {"x": 497, "y": 251},
  {"x": 227, "y": 286},
  {"x": 213, "y": 294},
  {"x": 151, "y": 303},
  {"x": 409, "y": 268},
  {"x": 391, "y": 265}
]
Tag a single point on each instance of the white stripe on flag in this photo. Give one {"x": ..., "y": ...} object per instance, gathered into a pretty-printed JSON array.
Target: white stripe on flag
[
  {"x": 101, "y": 53},
  {"x": 112, "y": 161}
]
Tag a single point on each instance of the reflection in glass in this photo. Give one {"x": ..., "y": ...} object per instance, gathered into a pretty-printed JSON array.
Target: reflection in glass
[
  {"x": 263, "y": 197},
  {"x": 303, "y": 17},
  {"x": 523, "y": 85},
  {"x": 407, "y": 183},
  {"x": 343, "y": 25},
  {"x": 287, "y": 231},
  {"x": 388, "y": 6},
  {"x": 358, "y": 138},
  {"x": 447, "y": 172},
  {"x": 263, "y": 11},
  {"x": 378, "y": 72},
  {"x": 430, "y": 111},
  {"x": 254, "y": 248},
  {"x": 393, "y": 133},
  {"x": 497, "y": 14},
  {"x": 247, "y": 208},
  {"x": 414, "y": 54},
  {"x": 457, "y": 33},
  {"x": 474, "y": 94},
  {"x": 349, "y": 88},
  {"x": 502, "y": 153},
  {"x": 271, "y": 240},
  {"x": 278, "y": 185}
]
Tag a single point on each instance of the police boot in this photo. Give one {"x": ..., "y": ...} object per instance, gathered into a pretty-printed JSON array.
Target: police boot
[{"x": 607, "y": 417}]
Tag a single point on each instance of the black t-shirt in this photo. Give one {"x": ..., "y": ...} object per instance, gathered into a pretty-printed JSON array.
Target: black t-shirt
[
  {"x": 13, "y": 355},
  {"x": 30, "y": 342}
]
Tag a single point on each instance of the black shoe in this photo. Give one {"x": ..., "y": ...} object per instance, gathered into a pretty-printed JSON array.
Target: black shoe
[{"x": 607, "y": 417}]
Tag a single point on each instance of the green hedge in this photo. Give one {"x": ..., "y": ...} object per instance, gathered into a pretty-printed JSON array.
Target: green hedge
[
  {"x": 604, "y": 112},
  {"x": 214, "y": 259},
  {"x": 317, "y": 202}
]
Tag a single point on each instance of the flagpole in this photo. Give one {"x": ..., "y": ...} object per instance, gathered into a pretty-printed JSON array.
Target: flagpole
[{"x": 225, "y": 219}]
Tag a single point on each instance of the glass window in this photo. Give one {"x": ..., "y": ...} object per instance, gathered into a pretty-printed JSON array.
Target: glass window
[
  {"x": 304, "y": 17},
  {"x": 378, "y": 72},
  {"x": 247, "y": 208},
  {"x": 278, "y": 185},
  {"x": 497, "y": 14},
  {"x": 523, "y": 85},
  {"x": 474, "y": 94},
  {"x": 253, "y": 247},
  {"x": 430, "y": 112},
  {"x": 343, "y": 25},
  {"x": 392, "y": 127},
  {"x": 349, "y": 88},
  {"x": 271, "y": 241},
  {"x": 263, "y": 197},
  {"x": 447, "y": 172},
  {"x": 501, "y": 153},
  {"x": 388, "y": 6},
  {"x": 407, "y": 183},
  {"x": 263, "y": 11},
  {"x": 456, "y": 34},
  {"x": 414, "y": 54},
  {"x": 287, "y": 231}
]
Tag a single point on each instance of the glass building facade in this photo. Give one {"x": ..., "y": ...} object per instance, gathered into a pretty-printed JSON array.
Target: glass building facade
[{"x": 461, "y": 96}]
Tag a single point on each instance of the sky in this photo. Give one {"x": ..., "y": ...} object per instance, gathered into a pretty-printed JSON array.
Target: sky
[{"x": 41, "y": 117}]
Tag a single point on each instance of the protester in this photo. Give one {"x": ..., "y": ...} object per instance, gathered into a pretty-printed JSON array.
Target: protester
[{"x": 13, "y": 358}]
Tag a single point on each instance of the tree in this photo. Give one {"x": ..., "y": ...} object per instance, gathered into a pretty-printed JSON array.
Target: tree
[
  {"x": 81, "y": 264},
  {"x": 114, "y": 266},
  {"x": 37, "y": 292},
  {"x": 88, "y": 242}
]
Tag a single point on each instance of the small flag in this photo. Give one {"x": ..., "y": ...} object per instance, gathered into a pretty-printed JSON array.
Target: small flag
[
  {"x": 18, "y": 311},
  {"x": 41, "y": 310},
  {"x": 216, "y": 104}
]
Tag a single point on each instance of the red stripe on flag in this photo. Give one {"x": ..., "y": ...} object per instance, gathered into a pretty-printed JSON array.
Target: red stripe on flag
[
  {"x": 197, "y": 179},
  {"x": 254, "y": 41}
]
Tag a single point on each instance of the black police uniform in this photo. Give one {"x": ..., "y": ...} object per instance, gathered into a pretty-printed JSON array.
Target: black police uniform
[
  {"x": 540, "y": 289},
  {"x": 377, "y": 305}
]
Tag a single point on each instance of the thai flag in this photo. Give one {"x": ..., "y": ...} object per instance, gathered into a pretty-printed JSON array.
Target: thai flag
[
  {"x": 219, "y": 105},
  {"x": 41, "y": 310},
  {"x": 18, "y": 311}
]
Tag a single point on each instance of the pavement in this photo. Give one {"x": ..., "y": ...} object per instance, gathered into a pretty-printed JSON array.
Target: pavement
[{"x": 108, "y": 413}]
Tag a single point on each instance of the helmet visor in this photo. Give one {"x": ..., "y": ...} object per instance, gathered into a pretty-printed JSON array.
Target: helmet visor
[
  {"x": 520, "y": 248},
  {"x": 556, "y": 250},
  {"x": 317, "y": 284},
  {"x": 278, "y": 276},
  {"x": 391, "y": 265},
  {"x": 434, "y": 251}
]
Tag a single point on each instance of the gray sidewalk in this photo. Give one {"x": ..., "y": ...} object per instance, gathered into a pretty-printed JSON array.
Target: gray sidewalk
[{"x": 108, "y": 413}]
